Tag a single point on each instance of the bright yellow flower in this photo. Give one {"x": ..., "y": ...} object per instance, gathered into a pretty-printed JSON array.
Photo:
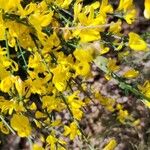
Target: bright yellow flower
[
  {"x": 37, "y": 147},
  {"x": 3, "y": 72},
  {"x": 71, "y": 130},
  {"x": 145, "y": 88},
  {"x": 105, "y": 8},
  {"x": 3, "y": 128},
  {"x": 136, "y": 42},
  {"x": 21, "y": 124},
  {"x": 83, "y": 54},
  {"x": 104, "y": 50},
  {"x": 53, "y": 141},
  {"x": 75, "y": 105},
  {"x": 61, "y": 75},
  {"x": 39, "y": 20},
  {"x": 108, "y": 103},
  {"x": 123, "y": 115},
  {"x": 37, "y": 85},
  {"x": 130, "y": 16},
  {"x": 51, "y": 103},
  {"x": 110, "y": 145},
  {"x": 115, "y": 27},
  {"x": 6, "y": 84},
  {"x": 19, "y": 86},
  {"x": 132, "y": 73},
  {"x": 112, "y": 67},
  {"x": 9, "y": 5},
  {"x": 88, "y": 35},
  {"x": 21, "y": 32},
  {"x": 33, "y": 106},
  {"x": 23, "y": 12},
  {"x": 8, "y": 106},
  {"x": 2, "y": 27},
  {"x": 147, "y": 9},
  {"x": 66, "y": 4},
  {"x": 77, "y": 10},
  {"x": 88, "y": 18},
  {"x": 82, "y": 68},
  {"x": 129, "y": 11},
  {"x": 93, "y": 6},
  {"x": 125, "y": 4},
  {"x": 39, "y": 115}
]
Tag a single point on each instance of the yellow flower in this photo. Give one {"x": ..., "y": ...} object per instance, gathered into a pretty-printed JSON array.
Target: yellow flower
[
  {"x": 105, "y": 8},
  {"x": 9, "y": 5},
  {"x": 123, "y": 115},
  {"x": 82, "y": 68},
  {"x": 37, "y": 147},
  {"x": 75, "y": 105},
  {"x": 130, "y": 16},
  {"x": 129, "y": 11},
  {"x": 125, "y": 4},
  {"x": 110, "y": 145},
  {"x": 147, "y": 9},
  {"x": 104, "y": 50},
  {"x": 6, "y": 84},
  {"x": 51, "y": 103},
  {"x": 39, "y": 20},
  {"x": 132, "y": 73},
  {"x": 136, "y": 122},
  {"x": 145, "y": 88},
  {"x": 55, "y": 142},
  {"x": 112, "y": 65},
  {"x": 66, "y": 4},
  {"x": 23, "y": 12},
  {"x": 19, "y": 85},
  {"x": 115, "y": 27},
  {"x": 60, "y": 76},
  {"x": 39, "y": 115},
  {"x": 88, "y": 18},
  {"x": 36, "y": 86},
  {"x": 33, "y": 106},
  {"x": 77, "y": 10},
  {"x": 21, "y": 124},
  {"x": 108, "y": 103},
  {"x": 83, "y": 54},
  {"x": 8, "y": 106},
  {"x": 71, "y": 130},
  {"x": 52, "y": 141},
  {"x": 136, "y": 42},
  {"x": 21, "y": 32},
  {"x": 2, "y": 27},
  {"x": 88, "y": 35},
  {"x": 3, "y": 128}
]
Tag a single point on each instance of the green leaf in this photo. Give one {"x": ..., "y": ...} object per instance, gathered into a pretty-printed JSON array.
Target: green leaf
[{"x": 101, "y": 62}]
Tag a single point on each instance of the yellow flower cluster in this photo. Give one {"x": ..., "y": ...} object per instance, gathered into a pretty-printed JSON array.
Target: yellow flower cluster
[{"x": 43, "y": 62}]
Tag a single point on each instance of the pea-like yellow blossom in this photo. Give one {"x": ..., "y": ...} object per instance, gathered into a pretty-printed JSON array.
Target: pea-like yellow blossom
[
  {"x": 147, "y": 9},
  {"x": 71, "y": 130},
  {"x": 111, "y": 145},
  {"x": 136, "y": 42},
  {"x": 131, "y": 73},
  {"x": 21, "y": 124}
]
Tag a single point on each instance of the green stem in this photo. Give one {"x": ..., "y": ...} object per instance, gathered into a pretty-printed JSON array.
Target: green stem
[
  {"x": 6, "y": 43},
  {"x": 129, "y": 87},
  {"x": 21, "y": 52}
]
